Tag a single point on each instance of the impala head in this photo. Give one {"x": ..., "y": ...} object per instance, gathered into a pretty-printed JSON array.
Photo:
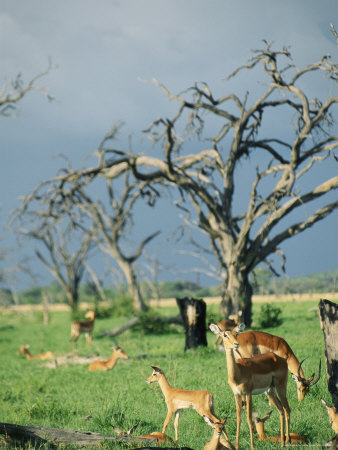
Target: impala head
[
  {"x": 228, "y": 337},
  {"x": 120, "y": 352},
  {"x": 23, "y": 349},
  {"x": 236, "y": 317},
  {"x": 333, "y": 416},
  {"x": 217, "y": 426},
  {"x": 259, "y": 422},
  {"x": 90, "y": 315},
  {"x": 155, "y": 376},
  {"x": 303, "y": 384}
]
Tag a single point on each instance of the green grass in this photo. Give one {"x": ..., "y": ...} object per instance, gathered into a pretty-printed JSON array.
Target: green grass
[{"x": 32, "y": 394}]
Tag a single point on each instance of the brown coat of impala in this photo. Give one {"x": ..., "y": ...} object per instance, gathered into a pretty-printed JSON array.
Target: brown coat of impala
[
  {"x": 295, "y": 439},
  {"x": 109, "y": 363},
  {"x": 176, "y": 399},
  {"x": 24, "y": 350},
  {"x": 253, "y": 343},
  {"x": 83, "y": 327},
  {"x": 250, "y": 376},
  {"x": 333, "y": 416}
]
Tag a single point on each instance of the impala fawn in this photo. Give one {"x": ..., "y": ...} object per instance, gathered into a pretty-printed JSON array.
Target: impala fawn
[
  {"x": 160, "y": 437},
  {"x": 333, "y": 416},
  {"x": 259, "y": 424},
  {"x": 176, "y": 399},
  {"x": 217, "y": 442},
  {"x": 109, "y": 363},
  {"x": 83, "y": 327},
  {"x": 24, "y": 350}
]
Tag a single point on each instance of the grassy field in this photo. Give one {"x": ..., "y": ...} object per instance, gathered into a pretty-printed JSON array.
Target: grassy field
[{"x": 64, "y": 397}]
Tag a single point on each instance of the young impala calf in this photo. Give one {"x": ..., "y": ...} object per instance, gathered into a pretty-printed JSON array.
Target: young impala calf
[
  {"x": 176, "y": 399},
  {"x": 217, "y": 442},
  {"x": 24, "y": 350},
  {"x": 85, "y": 327},
  {"x": 333, "y": 416},
  {"x": 295, "y": 438},
  {"x": 228, "y": 324},
  {"x": 110, "y": 363},
  {"x": 250, "y": 376},
  {"x": 160, "y": 437}
]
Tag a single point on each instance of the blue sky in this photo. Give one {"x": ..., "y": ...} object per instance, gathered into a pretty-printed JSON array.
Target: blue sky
[{"x": 103, "y": 49}]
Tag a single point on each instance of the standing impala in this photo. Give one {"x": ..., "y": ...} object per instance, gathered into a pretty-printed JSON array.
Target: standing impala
[
  {"x": 109, "y": 363},
  {"x": 83, "y": 327},
  {"x": 253, "y": 343},
  {"x": 176, "y": 399},
  {"x": 249, "y": 376},
  {"x": 294, "y": 437}
]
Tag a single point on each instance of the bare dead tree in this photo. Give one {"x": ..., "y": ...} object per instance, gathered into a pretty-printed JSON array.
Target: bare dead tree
[
  {"x": 206, "y": 178},
  {"x": 239, "y": 132}
]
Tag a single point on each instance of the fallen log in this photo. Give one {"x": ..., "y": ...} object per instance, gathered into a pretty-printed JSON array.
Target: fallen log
[
  {"x": 133, "y": 322},
  {"x": 58, "y": 436}
]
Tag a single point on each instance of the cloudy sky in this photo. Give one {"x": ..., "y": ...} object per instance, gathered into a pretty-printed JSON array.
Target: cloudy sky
[{"x": 102, "y": 49}]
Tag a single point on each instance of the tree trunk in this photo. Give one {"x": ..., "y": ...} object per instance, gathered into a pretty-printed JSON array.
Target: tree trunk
[
  {"x": 237, "y": 295},
  {"x": 60, "y": 437},
  {"x": 138, "y": 302},
  {"x": 329, "y": 323},
  {"x": 193, "y": 314}
]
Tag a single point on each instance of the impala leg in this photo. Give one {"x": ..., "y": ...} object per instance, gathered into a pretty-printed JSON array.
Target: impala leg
[
  {"x": 238, "y": 400},
  {"x": 277, "y": 404},
  {"x": 166, "y": 420},
  {"x": 249, "y": 417},
  {"x": 177, "y": 416},
  {"x": 286, "y": 409}
]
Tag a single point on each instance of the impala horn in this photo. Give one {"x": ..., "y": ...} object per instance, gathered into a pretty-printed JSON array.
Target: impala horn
[
  {"x": 300, "y": 377},
  {"x": 318, "y": 376}
]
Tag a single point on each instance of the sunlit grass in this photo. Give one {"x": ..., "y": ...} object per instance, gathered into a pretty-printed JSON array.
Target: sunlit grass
[{"x": 71, "y": 397}]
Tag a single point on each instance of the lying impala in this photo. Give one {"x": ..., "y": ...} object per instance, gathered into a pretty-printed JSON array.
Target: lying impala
[
  {"x": 294, "y": 437},
  {"x": 217, "y": 442},
  {"x": 85, "y": 327},
  {"x": 109, "y": 363},
  {"x": 333, "y": 416},
  {"x": 253, "y": 343},
  {"x": 176, "y": 399},
  {"x": 249, "y": 376},
  {"x": 228, "y": 324},
  {"x": 160, "y": 437},
  {"x": 24, "y": 350}
]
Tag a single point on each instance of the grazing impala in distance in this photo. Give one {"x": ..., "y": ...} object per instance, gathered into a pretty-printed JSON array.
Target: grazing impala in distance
[
  {"x": 160, "y": 437},
  {"x": 109, "y": 363},
  {"x": 253, "y": 343},
  {"x": 24, "y": 350},
  {"x": 333, "y": 416},
  {"x": 249, "y": 376},
  {"x": 295, "y": 439},
  {"x": 83, "y": 327},
  {"x": 228, "y": 324},
  {"x": 217, "y": 442},
  {"x": 176, "y": 399}
]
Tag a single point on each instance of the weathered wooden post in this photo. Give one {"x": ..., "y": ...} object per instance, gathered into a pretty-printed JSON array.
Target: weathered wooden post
[
  {"x": 329, "y": 323},
  {"x": 193, "y": 313}
]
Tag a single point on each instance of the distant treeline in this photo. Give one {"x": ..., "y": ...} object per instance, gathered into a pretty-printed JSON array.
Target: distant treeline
[{"x": 263, "y": 283}]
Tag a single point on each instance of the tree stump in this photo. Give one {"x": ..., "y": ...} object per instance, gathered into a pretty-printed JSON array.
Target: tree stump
[
  {"x": 329, "y": 324},
  {"x": 193, "y": 313}
]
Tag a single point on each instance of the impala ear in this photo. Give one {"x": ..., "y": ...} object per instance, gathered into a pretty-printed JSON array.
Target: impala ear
[
  {"x": 295, "y": 378},
  {"x": 240, "y": 313},
  {"x": 215, "y": 329},
  {"x": 208, "y": 421},
  {"x": 239, "y": 328}
]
